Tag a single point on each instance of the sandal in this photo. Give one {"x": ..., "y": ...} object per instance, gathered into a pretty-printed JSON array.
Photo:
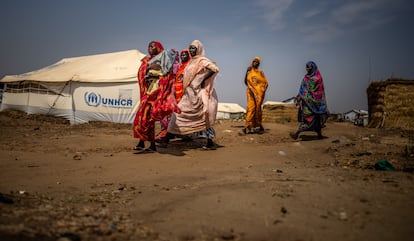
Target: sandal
[
  {"x": 145, "y": 150},
  {"x": 261, "y": 128},
  {"x": 294, "y": 136},
  {"x": 149, "y": 150},
  {"x": 209, "y": 148},
  {"x": 243, "y": 132},
  {"x": 139, "y": 148}
]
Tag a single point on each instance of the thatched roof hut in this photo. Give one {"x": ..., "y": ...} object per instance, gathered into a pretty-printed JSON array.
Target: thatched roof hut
[{"x": 391, "y": 104}]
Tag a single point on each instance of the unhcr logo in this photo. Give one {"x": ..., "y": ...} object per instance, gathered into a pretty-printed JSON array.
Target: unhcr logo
[{"x": 94, "y": 100}]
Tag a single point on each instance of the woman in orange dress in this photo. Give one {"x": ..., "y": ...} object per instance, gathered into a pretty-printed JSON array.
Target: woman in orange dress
[
  {"x": 178, "y": 85},
  {"x": 257, "y": 84}
]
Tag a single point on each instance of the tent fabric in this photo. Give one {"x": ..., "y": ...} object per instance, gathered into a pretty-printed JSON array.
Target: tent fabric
[
  {"x": 110, "y": 67},
  {"x": 99, "y": 87},
  {"x": 229, "y": 111},
  {"x": 230, "y": 108},
  {"x": 274, "y": 103}
]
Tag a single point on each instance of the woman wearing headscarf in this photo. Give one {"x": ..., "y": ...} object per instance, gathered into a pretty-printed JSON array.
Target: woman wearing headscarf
[
  {"x": 257, "y": 84},
  {"x": 178, "y": 90},
  {"x": 199, "y": 102},
  {"x": 311, "y": 100},
  {"x": 178, "y": 84},
  {"x": 155, "y": 79}
]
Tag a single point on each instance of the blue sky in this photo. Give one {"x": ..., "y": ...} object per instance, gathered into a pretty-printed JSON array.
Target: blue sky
[{"x": 353, "y": 42}]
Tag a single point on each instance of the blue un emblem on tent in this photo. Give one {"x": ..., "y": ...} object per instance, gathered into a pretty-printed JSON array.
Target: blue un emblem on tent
[{"x": 92, "y": 99}]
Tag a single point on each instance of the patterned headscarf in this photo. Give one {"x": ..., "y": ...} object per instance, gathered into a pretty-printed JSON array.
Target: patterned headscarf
[
  {"x": 311, "y": 68},
  {"x": 312, "y": 90}
]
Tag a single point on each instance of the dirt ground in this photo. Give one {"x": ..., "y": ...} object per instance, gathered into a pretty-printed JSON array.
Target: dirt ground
[{"x": 84, "y": 182}]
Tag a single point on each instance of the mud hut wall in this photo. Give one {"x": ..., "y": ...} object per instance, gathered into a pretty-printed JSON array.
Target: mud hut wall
[
  {"x": 376, "y": 105},
  {"x": 280, "y": 113},
  {"x": 391, "y": 104},
  {"x": 399, "y": 106}
]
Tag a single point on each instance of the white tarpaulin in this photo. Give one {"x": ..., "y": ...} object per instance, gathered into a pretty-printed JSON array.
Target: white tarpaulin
[
  {"x": 230, "y": 111},
  {"x": 99, "y": 87}
]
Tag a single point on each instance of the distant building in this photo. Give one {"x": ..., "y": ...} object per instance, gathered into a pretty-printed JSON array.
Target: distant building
[
  {"x": 358, "y": 117},
  {"x": 352, "y": 114}
]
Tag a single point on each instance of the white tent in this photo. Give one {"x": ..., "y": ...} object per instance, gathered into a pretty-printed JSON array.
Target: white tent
[
  {"x": 100, "y": 87},
  {"x": 230, "y": 111}
]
